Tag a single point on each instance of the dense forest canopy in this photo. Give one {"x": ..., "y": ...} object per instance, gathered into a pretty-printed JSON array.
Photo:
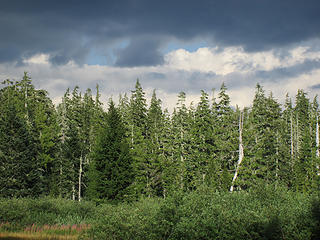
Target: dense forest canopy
[{"x": 78, "y": 150}]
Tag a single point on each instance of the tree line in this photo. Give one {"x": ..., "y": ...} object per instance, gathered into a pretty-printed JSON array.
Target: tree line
[{"x": 78, "y": 150}]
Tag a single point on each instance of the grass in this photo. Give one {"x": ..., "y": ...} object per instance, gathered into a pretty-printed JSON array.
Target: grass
[
  {"x": 43, "y": 232},
  {"x": 263, "y": 213},
  {"x": 44, "y": 218},
  {"x": 35, "y": 236}
]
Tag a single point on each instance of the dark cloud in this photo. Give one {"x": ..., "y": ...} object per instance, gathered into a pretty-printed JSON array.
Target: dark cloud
[
  {"x": 66, "y": 29},
  {"x": 288, "y": 72},
  {"x": 154, "y": 75},
  {"x": 315, "y": 87},
  {"x": 140, "y": 52}
]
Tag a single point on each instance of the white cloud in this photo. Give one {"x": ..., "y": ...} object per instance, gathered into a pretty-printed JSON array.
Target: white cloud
[
  {"x": 37, "y": 59},
  {"x": 235, "y": 59},
  {"x": 190, "y": 72}
]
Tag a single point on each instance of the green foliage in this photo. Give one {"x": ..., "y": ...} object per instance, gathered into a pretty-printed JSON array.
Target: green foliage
[
  {"x": 111, "y": 173},
  {"x": 263, "y": 213},
  {"x": 20, "y": 170},
  {"x": 77, "y": 150},
  {"x": 126, "y": 221},
  {"x": 45, "y": 211}
]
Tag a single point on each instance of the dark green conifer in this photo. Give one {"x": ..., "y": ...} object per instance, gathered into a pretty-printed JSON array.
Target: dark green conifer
[{"x": 111, "y": 173}]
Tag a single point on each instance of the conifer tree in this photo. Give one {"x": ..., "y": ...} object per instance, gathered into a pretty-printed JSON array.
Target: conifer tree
[
  {"x": 111, "y": 172},
  {"x": 181, "y": 125},
  {"x": 263, "y": 161},
  {"x": 154, "y": 145},
  {"x": 303, "y": 138},
  {"x": 20, "y": 174},
  {"x": 226, "y": 139},
  {"x": 286, "y": 149},
  {"x": 203, "y": 140},
  {"x": 138, "y": 143},
  {"x": 169, "y": 163}
]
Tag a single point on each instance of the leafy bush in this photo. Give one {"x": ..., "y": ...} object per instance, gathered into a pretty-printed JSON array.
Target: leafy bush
[
  {"x": 126, "y": 220},
  {"x": 264, "y": 213}
]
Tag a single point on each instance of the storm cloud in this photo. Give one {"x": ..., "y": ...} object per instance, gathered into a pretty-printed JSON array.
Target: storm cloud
[{"x": 71, "y": 30}]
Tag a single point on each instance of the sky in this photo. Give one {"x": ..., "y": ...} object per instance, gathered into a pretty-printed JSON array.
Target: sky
[{"x": 170, "y": 46}]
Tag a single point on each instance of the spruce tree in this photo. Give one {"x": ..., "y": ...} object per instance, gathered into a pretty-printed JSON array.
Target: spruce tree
[
  {"x": 138, "y": 142},
  {"x": 20, "y": 172},
  {"x": 226, "y": 133},
  {"x": 203, "y": 141},
  {"x": 181, "y": 125},
  {"x": 154, "y": 144},
  {"x": 303, "y": 137},
  {"x": 111, "y": 173}
]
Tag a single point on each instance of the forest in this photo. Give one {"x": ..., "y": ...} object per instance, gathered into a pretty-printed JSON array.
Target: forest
[{"x": 136, "y": 150}]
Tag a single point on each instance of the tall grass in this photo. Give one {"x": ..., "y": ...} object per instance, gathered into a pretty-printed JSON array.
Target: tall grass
[
  {"x": 265, "y": 213},
  {"x": 22, "y": 213}
]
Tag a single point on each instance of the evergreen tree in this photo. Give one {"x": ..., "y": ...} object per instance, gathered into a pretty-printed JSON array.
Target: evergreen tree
[
  {"x": 303, "y": 164},
  {"x": 111, "y": 172},
  {"x": 203, "y": 141},
  {"x": 154, "y": 144},
  {"x": 226, "y": 133},
  {"x": 286, "y": 150},
  {"x": 182, "y": 157},
  {"x": 138, "y": 142},
  {"x": 168, "y": 162},
  {"x": 20, "y": 174}
]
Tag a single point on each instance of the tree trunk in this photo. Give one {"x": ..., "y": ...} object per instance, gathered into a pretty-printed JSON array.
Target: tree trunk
[
  {"x": 80, "y": 179},
  {"x": 132, "y": 136},
  {"x": 73, "y": 193},
  {"x": 241, "y": 155},
  {"x": 291, "y": 136}
]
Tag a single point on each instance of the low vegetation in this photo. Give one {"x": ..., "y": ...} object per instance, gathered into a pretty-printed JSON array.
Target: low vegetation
[
  {"x": 262, "y": 213},
  {"x": 43, "y": 218}
]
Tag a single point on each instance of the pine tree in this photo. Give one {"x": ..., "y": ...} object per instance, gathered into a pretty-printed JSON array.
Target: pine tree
[
  {"x": 111, "y": 172},
  {"x": 286, "y": 148},
  {"x": 262, "y": 158},
  {"x": 138, "y": 143},
  {"x": 45, "y": 132},
  {"x": 203, "y": 141},
  {"x": 181, "y": 125},
  {"x": 20, "y": 174},
  {"x": 226, "y": 139},
  {"x": 169, "y": 163},
  {"x": 154, "y": 144},
  {"x": 303, "y": 138}
]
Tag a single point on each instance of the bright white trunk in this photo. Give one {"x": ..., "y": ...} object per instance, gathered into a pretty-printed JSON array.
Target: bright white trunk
[
  {"x": 80, "y": 179},
  {"x": 73, "y": 192},
  {"x": 132, "y": 136},
  {"x": 181, "y": 159},
  {"x": 241, "y": 155},
  {"x": 26, "y": 105}
]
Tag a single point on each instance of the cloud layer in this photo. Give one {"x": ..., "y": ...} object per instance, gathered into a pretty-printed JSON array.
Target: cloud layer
[
  {"x": 71, "y": 30},
  {"x": 170, "y": 46},
  {"x": 204, "y": 69}
]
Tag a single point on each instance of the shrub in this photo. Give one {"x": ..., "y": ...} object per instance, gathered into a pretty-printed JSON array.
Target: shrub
[{"x": 264, "y": 213}]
